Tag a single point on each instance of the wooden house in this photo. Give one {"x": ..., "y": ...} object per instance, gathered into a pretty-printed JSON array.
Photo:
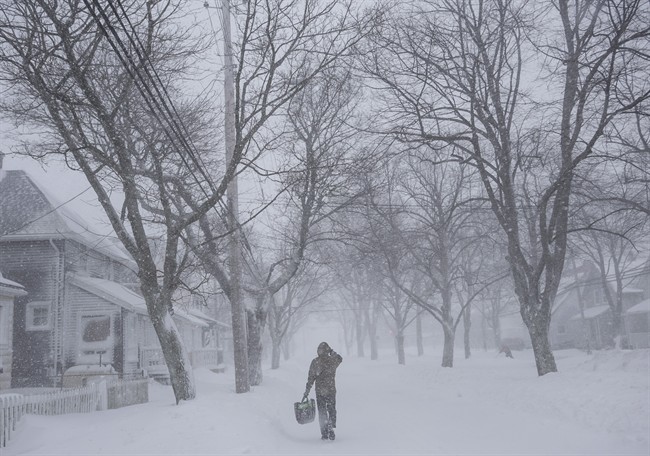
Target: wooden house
[
  {"x": 8, "y": 291},
  {"x": 81, "y": 305},
  {"x": 582, "y": 316}
]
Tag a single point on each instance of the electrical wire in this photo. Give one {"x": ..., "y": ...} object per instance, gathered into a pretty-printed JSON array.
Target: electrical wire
[
  {"x": 54, "y": 209},
  {"x": 181, "y": 130},
  {"x": 144, "y": 89},
  {"x": 125, "y": 58}
]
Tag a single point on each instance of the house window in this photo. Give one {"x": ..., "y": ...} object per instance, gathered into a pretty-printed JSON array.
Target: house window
[
  {"x": 38, "y": 316},
  {"x": 96, "y": 329},
  {"x": 96, "y": 332}
]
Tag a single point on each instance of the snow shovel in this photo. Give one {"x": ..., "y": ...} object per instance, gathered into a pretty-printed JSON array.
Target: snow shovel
[{"x": 305, "y": 411}]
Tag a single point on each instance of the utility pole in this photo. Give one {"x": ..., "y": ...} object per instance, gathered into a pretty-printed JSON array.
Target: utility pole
[{"x": 240, "y": 344}]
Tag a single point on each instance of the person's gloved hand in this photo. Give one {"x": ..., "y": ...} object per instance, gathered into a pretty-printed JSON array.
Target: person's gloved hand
[{"x": 304, "y": 397}]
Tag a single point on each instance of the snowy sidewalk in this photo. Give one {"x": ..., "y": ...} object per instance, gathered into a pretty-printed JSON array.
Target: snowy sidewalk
[{"x": 487, "y": 405}]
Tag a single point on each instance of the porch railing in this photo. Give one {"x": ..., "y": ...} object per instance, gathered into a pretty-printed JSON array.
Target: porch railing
[{"x": 153, "y": 361}]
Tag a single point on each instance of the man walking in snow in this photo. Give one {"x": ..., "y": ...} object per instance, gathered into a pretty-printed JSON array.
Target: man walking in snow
[{"x": 322, "y": 371}]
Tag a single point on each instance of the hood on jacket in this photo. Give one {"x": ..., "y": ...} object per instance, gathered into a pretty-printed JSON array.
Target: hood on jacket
[{"x": 323, "y": 349}]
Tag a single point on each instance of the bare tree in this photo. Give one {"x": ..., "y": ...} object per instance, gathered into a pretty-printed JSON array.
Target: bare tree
[
  {"x": 303, "y": 290},
  {"x": 620, "y": 177},
  {"x": 281, "y": 48},
  {"x": 612, "y": 244},
  {"x": 402, "y": 312},
  {"x": 458, "y": 78},
  {"x": 106, "y": 107},
  {"x": 320, "y": 181},
  {"x": 352, "y": 271}
]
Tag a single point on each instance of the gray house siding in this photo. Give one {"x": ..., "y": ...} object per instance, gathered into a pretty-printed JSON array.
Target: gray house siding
[
  {"x": 80, "y": 305},
  {"x": 6, "y": 335},
  {"x": 33, "y": 264}
]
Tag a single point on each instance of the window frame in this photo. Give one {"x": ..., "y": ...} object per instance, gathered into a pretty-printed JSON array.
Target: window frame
[
  {"x": 29, "y": 315},
  {"x": 98, "y": 344}
]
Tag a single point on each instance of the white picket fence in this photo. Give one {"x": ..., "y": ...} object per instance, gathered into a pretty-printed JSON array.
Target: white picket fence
[{"x": 96, "y": 396}]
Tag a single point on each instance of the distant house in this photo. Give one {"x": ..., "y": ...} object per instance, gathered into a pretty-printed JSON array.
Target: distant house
[
  {"x": 514, "y": 333},
  {"x": 581, "y": 315},
  {"x": 637, "y": 324},
  {"x": 81, "y": 305},
  {"x": 8, "y": 291}
]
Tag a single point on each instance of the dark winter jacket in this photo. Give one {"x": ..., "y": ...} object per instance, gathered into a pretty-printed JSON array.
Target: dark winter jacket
[{"x": 323, "y": 370}]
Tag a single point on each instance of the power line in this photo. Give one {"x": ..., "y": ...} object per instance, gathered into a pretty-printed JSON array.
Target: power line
[
  {"x": 182, "y": 133},
  {"x": 151, "y": 100},
  {"x": 54, "y": 209},
  {"x": 140, "y": 82}
]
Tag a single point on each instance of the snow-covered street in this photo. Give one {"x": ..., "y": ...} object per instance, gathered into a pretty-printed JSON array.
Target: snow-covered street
[{"x": 596, "y": 404}]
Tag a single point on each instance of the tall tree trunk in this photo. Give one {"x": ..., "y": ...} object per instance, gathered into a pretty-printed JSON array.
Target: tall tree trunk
[
  {"x": 418, "y": 333},
  {"x": 448, "y": 328},
  {"x": 176, "y": 357},
  {"x": 360, "y": 336},
  {"x": 467, "y": 325},
  {"x": 484, "y": 327},
  {"x": 275, "y": 353},
  {"x": 535, "y": 310},
  {"x": 496, "y": 327},
  {"x": 399, "y": 347},
  {"x": 256, "y": 321},
  {"x": 286, "y": 349},
  {"x": 617, "y": 312},
  {"x": 372, "y": 336},
  {"x": 538, "y": 328},
  {"x": 448, "y": 347}
]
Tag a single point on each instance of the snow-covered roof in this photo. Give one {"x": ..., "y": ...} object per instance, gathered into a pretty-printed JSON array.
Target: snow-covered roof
[
  {"x": 642, "y": 307},
  {"x": 111, "y": 291},
  {"x": 630, "y": 290},
  {"x": 191, "y": 318},
  {"x": 200, "y": 314},
  {"x": 591, "y": 312},
  {"x": 122, "y": 296},
  {"x": 29, "y": 212},
  {"x": 11, "y": 288},
  {"x": 562, "y": 298}
]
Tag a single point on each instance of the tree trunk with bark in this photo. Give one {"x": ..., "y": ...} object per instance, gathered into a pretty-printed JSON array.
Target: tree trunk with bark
[
  {"x": 418, "y": 333},
  {"x": 176, "y": 357},
  {"x": 399, "y": 347},
  {"x": 544, "y": 359},
  {"x": 448, "y": 347},
  {"x": 286, "y": 349},
  {"x": 276, "y": 353},
  {"x": 256, "y": 322},
  {"x": 360, "y": 333},
  {"x": 467, "y": 325}
]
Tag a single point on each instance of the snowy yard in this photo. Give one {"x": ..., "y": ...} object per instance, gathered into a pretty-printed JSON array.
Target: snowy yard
[{"x": 489, "y": 405}]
